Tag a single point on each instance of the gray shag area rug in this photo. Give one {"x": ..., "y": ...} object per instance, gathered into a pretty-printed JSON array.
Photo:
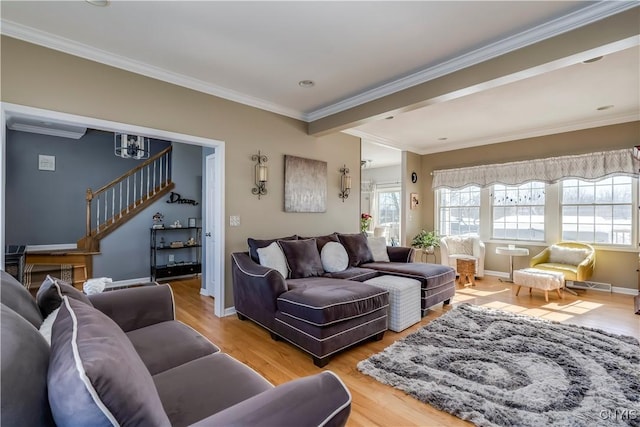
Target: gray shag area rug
[{"x": 495, "y": 368}]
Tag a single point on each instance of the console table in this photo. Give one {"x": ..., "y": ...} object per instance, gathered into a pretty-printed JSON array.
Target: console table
[{"x": 511, "y": 251}]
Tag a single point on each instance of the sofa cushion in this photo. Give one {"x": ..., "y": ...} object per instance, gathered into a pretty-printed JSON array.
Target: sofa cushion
[
  {"x": 49, "y": 296},
  {"x": 323, "y": 240},
  {"x": 564, "y": 255},
  {"x": 17, "y": 298},
  {"x": 25, "y": 359},
  {"x": 358, "y": 274},
  {"x": 334, "y": 257},
  {"x": 460, "y": 245},
  {"x": 323, "y": 301},
  {"x": 272, "y": 256},
  {"x": 156, "y": 345},
  {"x": 303, "y": 259},
  {"x": 378, "y": 248},
  {"x": 205, "y": 386},
  {"x": 95, "y": 375},
  {"x": 357, "y": 248},
  {"x": 254, "y": 244}
]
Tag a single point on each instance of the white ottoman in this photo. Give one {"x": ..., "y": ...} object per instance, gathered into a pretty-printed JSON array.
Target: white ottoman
[
  {"x": 404, "y": 300},
  {"x": 539, "y": 279}
]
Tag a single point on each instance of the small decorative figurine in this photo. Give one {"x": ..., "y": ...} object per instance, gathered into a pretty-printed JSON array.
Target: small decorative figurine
[{"x": 157, "y": 220}]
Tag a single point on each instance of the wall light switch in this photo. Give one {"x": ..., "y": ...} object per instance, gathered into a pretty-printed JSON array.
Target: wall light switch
[{"x": 234, "y": 221}]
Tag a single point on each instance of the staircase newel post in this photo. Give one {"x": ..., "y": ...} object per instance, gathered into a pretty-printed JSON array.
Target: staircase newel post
[{"x": 89, "y": 198}]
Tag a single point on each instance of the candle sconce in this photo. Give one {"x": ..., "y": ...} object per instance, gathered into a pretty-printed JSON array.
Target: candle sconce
[
  {"x": 260, "y": 172},
  {"x": 345, "y": 183}
]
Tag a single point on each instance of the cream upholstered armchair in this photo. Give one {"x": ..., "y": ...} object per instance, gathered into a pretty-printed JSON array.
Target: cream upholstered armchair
[
  {"x": 575, "y": 260},
  {"x": 467, "y": 246}
]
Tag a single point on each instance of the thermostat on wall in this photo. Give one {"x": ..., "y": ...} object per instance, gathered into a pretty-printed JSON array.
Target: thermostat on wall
[{"x": 46, "y": 163}]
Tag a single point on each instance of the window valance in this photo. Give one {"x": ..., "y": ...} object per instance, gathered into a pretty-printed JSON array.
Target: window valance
[{"x": 590, "y": 166}]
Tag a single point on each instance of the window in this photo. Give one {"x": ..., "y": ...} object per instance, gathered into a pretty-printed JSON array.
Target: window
[
  {"x": 388, "y": 212},
  {"x": 598, "y": 212},
  {"x": 518, "y": 211},
  {"x": 459, "y": 211}
]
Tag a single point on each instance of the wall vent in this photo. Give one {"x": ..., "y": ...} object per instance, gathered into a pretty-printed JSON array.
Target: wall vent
[{"x": 596, "y": 286}]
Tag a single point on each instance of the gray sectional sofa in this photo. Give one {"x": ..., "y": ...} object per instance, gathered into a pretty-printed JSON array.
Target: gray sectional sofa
[
  {"x": 323, "y": 312},
  {"x": 121, "y": 358}
]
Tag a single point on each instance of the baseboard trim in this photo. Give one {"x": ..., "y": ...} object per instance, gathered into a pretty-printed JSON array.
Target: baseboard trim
[
  {"x": 45, "y": 248},
  {"x": 496, "y": 274},
  {"x": 229, "y": 311},
  {"x": 203, "y": 292},
  {"x": 625, "y": 291}
]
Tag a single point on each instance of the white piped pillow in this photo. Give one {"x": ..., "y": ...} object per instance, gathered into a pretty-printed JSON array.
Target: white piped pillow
[
  {"x": 570, "y": 256},
  {"x": 334, "y": 257},
  {"x": 378, "y": 248},
  {"x": 272, "y": 257}
]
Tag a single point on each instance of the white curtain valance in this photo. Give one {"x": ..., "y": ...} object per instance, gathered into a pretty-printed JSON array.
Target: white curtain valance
[{"x": 590, "y": 166}]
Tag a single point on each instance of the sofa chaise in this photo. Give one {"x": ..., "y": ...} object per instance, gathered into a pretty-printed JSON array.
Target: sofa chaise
[
  {"x": 309, "y": 291},
  {"x": 121, "y": 358}
]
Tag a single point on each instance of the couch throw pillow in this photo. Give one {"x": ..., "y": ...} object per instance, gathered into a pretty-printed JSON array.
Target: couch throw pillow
[
  {"x": 303, "y": 259},
  {"x": 378, "y": 248},
  {"x": 564, "y": 255},
  {"x": 49, "y": 296},
  {"x": 334, "y": 257},
  {"x": 323, "y": 240},
  {"x": 273, "y": 257},
  {"x": 254, "y": 244},
  {"x": 460, "y": 245},
  {"x": 357, "y": 248},
  {"x": 95, "y": 376}
]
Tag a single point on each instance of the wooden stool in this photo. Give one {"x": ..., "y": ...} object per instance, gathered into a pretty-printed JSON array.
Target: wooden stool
[{"x": 467, "y": 269}]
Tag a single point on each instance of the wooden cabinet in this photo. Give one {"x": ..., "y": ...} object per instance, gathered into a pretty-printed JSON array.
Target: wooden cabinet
[{"x": 175, "y": 252}]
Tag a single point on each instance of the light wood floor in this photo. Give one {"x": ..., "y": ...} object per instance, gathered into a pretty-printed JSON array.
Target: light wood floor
[{"x": 376, "y": 404}]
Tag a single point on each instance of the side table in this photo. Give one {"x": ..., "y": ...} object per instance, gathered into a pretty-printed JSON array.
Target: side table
[
  {"x": 511, "y": 251},
  {"x": 467, "y": 269}
]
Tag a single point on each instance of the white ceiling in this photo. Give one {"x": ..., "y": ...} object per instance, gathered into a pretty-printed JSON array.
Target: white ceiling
[{"x": 257, "y": 52}]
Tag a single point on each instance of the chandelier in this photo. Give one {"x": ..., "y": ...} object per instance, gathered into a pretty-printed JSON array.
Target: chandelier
[{"x": 130, "y": 146}]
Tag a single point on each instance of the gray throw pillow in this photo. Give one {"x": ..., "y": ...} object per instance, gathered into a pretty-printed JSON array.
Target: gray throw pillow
[
  {"x": 323, "y": 240},
  {"x": 303, "y": 258},
  {"x": 357, "y": 248},
  {"x": 49, "y": 296},
  {"x": 95, "y": 377},
  {"x": 255, "y": 244}
]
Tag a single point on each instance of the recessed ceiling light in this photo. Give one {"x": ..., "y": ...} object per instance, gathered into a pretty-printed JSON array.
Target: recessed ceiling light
[
  {"x": 306, "y": 83},
  {"x": 100, "y": 3},
  {"x": 444, "y": 138},
  {"x": 604, "y": 107},
  {"x": 389, "y": 118},
  {"x": 589, "y": 61}
]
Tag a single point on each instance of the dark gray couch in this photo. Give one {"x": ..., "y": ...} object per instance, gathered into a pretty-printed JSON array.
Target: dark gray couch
[
  {"x": 121, "y": 358},
  {"x": 324, "y": 313}
]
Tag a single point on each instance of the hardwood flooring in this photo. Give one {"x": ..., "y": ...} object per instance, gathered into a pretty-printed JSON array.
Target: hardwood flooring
[{"x": 376, "y": 404}]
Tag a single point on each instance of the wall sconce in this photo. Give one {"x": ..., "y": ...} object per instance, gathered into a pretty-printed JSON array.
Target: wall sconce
[
  {"x": 260, "y": 174},
  {"x": 345, "y": 183}
]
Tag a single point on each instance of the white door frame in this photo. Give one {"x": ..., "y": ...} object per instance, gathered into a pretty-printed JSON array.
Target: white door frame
[{"x": 8, "y": 111}]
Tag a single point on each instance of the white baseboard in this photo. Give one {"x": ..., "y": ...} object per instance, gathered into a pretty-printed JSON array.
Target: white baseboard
[
  {"x": 44, "y": 248},
  {"x": 625, "y": 291},
  {"x": 229, "y": 311},
  {"x": 496, "y": 274},
  {"x": 203, "y": 292}
]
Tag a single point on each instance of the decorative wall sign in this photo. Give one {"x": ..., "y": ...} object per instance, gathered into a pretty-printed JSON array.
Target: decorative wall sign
[
  {"x": 305, "y": 185},
  {"x": 177, "y": 198}
]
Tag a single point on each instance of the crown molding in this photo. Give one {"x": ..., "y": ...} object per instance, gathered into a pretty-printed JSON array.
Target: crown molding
[
  {"x": 545, "y": 31},
  {"x": 587, "y": 15},
  {"x": 71, "y": 47},
  {"x": 533, "y": 133}
]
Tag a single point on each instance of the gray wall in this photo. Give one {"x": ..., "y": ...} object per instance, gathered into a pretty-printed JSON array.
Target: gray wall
[{"x": 48, "y": 207}]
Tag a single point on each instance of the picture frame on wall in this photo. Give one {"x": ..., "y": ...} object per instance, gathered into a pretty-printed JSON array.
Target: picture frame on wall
[
  {"x": 414, "y": 201},
  {"x": 191, "y": 222}
]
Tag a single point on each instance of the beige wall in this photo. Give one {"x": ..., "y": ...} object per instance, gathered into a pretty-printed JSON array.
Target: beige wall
[
  {"x": 43, "y": 78},
  {"x": 412, "y": 218},
  {"x": 615, "y": 267}
]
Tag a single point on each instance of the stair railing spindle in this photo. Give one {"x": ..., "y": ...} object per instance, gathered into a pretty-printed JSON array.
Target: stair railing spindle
[
  {"x": 148, "y": 182},
  {"x": 120, "y": 199},
  {"x": 154, "y": 177}
]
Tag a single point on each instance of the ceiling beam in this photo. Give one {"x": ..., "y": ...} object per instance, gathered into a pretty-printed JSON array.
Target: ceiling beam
[{"x": 606, "y": 36}]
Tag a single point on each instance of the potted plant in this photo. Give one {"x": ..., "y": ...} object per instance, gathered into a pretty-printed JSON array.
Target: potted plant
[{"x": 427, "y": 240}]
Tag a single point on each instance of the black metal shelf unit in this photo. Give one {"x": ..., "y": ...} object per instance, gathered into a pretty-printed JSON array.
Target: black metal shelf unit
[{"x": 187, "y": 253}]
